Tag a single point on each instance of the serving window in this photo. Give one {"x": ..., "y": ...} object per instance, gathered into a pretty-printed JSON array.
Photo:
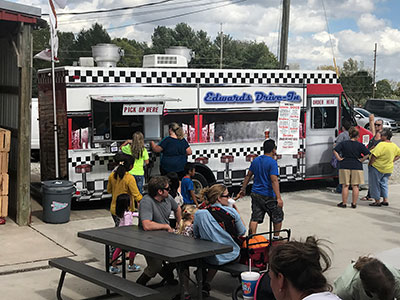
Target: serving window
[{"x": 117, "y": 121}]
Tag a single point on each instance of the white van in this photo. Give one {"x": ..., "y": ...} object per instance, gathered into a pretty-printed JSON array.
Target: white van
[{"x": 35, "y": 142}]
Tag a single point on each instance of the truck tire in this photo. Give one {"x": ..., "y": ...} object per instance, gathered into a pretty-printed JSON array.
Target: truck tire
[{"x": 199, "y": 182}]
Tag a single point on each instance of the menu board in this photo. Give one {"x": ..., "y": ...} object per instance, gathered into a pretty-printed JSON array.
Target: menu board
[{"x": 288, "y": 128}]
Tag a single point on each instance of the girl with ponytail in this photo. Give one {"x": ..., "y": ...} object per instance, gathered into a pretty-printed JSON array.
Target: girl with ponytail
[{"x": 121, "y": 182}]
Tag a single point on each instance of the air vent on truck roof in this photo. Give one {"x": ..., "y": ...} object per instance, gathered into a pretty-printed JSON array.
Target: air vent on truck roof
[{"x": 164, "y": 61}]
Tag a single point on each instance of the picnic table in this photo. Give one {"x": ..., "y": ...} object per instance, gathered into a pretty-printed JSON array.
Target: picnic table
[{"x": 159, "y": 244}]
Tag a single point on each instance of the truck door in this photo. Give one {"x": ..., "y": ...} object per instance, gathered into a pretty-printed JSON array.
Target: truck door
[{"x": 322, "y": 128}]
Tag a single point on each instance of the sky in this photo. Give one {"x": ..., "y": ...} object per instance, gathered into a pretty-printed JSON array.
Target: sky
[{"x": 350, "y": 29}]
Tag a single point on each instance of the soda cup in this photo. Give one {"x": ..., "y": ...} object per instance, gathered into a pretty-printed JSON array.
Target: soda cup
[
  {"x": 249, "y": 281},
  {"x": 266, "y": 133}
]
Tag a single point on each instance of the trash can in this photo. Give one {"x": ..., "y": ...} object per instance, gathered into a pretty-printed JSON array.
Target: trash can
[{"x": 56, "y": 202}]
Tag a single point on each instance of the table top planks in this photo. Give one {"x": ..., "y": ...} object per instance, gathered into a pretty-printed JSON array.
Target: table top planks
[{"x": 160, "y": 244}]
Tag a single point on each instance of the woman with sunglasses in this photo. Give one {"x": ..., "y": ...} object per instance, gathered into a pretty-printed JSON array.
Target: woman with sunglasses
[{"x": 218, "y": 223}]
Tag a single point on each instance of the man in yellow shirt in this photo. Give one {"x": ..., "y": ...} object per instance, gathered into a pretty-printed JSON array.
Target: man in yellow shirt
[{"x": 381, "y": 167}]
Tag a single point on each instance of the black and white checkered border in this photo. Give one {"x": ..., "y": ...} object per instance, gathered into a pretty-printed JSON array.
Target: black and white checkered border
[
  {"x": 88, "y": 159},
  {"x": 236, "y": 152},
  {"x": 195, "y": 76}
]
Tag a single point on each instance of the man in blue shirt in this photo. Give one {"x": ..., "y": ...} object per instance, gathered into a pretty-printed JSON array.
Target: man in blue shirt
[
  {"x": 187, "y": 187},
  {"x": 265, "y": 195}
]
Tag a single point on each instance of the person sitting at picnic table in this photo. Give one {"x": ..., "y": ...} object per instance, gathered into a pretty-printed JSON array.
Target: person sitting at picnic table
[
  {"x": 296, "y": 271},
  {"x": 368, "y": 278},
  {"x": 154, "y": 212},
  {"x": 218, "y": 223}
]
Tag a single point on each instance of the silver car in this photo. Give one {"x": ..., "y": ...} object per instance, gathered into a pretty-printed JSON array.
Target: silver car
[{"x": 362, "y": 118}]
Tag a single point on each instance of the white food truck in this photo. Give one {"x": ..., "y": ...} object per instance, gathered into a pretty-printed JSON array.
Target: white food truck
[{"x": 227, "y": 114}]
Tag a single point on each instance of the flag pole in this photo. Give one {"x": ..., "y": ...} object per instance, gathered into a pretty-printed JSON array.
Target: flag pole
[{"x": 53, "y": 79}]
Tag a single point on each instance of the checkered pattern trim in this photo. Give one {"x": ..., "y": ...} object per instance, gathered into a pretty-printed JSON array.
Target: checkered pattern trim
[
  {"x": 218, "y": 152},
  {"x": 88, "y": 159},
  {"x": 236, "y": 152},
  {"x": 195, "y": 76}
]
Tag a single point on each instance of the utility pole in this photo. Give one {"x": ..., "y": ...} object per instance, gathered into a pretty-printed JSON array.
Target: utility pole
[
  {"x": 374, "y": 78},
  {"x": 221, "y": 47},
  {"x": 283, "y": 49}
]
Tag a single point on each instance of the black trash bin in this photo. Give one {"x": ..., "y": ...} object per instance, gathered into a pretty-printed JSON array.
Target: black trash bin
[{"x": 56, "y": 202}]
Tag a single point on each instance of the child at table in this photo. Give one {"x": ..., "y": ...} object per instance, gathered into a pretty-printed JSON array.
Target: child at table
[
  {"x": 186, "y": 224},
  {"x": 186, "y": 229},
  {"x": 125, "y": 217}
]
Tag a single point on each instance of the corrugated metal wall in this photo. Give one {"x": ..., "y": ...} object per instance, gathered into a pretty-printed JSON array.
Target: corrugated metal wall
[
  {"x": 9, "y": 80},
  {"x": 9, "y": 101}
]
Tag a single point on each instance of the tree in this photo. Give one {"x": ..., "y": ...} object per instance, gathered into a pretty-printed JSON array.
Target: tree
[
  {"x": 88, "y": 38},
  {"x": 133, "y": 52},
  {"x": 326, "y": 68},
  {"x": 356, "y": 81},
  {"x": 383, "y": 89}
]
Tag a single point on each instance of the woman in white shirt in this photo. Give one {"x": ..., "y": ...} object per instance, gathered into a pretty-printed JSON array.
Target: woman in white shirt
[{"x": 296, "y": 271}]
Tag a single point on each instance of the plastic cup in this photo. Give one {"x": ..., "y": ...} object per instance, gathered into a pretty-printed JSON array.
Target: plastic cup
[
  {"x": 249, "y": 281},
  {"x": 266, "y": 133}
]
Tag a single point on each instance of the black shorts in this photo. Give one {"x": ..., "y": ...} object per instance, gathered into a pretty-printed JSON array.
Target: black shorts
[{"x": 263, "y": 204}]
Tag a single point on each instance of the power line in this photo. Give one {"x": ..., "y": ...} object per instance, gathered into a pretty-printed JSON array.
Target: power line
[
  {"x": 145, "y": 12},
  {"x": 112, "y": 9},
  {"x": 175, "y": 16}
]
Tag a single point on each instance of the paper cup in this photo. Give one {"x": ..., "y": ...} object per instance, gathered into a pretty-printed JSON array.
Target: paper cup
[
  {"x": 249, "y": 281},
  {"x": 266, "y": 133}
]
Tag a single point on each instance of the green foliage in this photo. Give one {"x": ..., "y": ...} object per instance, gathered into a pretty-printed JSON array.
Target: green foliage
[
  {"x": 383, "y": 89},
  {"x": 134, "y": 52},
  {"x": 357, "y": 86}
]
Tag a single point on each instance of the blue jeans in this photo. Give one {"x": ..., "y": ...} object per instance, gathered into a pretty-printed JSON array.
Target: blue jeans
[
  {"x": 139, "y": 182},
  {"x": 378, "y": 183}
]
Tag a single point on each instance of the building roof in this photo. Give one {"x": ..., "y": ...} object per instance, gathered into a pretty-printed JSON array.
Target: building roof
[{"x": 10, "y": 11}]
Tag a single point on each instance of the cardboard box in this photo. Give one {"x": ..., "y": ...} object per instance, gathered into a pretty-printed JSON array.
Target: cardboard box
[
  {"x": 5, "y": 140},
  {"x": 3, "y": 184},
  {"x": 3, "y": 162},
  {"x": 3, "y": 206}
]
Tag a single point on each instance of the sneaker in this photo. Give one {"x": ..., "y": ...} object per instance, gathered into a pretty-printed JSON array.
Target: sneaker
[
  {"x": 114, "y": 270},
  {"x": 133, "y": 268},
  {"x": 341, "y": 204},
  {"x": 353, "y": 205}
]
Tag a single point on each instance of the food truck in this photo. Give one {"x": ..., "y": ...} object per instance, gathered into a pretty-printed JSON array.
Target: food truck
[{"x": 226, "y": 114}]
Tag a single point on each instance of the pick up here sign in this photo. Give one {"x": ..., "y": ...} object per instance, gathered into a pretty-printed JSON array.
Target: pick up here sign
[{"x": 142, "y": 109}]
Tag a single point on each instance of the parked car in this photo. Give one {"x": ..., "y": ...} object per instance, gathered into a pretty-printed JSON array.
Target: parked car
[
  {"x": 387, "y": 108},
  {"x": 362, "y": 118}
]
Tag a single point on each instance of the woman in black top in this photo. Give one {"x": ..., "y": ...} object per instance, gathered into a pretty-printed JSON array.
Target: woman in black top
[{"x": 350, "y": 155}]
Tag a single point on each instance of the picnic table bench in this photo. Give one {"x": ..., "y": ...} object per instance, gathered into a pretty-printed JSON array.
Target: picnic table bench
[{"x": 121, "y": 286}]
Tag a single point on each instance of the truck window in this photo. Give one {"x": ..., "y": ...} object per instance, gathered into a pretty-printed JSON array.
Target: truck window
[
  {"x": 324, "y": 117},
  {"x": 238, "y": 126},
  {"x": 186, "y": 120}
]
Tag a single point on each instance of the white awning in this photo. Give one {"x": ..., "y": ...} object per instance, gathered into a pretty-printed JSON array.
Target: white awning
[{"x": 133, "y": 98}]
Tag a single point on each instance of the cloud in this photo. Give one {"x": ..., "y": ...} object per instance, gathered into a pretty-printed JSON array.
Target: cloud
[{"x": 370, "y": 23}]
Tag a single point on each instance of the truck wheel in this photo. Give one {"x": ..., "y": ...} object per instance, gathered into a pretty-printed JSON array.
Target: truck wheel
[{"x": 199, "y": 182}]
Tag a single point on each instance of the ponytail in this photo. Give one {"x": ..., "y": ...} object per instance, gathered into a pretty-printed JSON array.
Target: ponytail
[{"x": 125, "y": 163}]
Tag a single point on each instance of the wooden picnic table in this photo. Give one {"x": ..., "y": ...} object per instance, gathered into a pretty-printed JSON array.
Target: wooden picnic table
[{"x": 159, "y": 244}]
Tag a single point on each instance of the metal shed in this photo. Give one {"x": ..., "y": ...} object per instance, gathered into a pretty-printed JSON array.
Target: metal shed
[{"x": 16, "y": 24}]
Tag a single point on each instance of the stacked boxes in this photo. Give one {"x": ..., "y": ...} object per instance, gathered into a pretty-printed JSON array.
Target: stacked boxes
[{"x": 5, "y": 141}]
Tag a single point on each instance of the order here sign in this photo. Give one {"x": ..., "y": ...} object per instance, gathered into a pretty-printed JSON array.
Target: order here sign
[
  {"x": 328, "y": 101},
  {"x": 142, "y": 109}
]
